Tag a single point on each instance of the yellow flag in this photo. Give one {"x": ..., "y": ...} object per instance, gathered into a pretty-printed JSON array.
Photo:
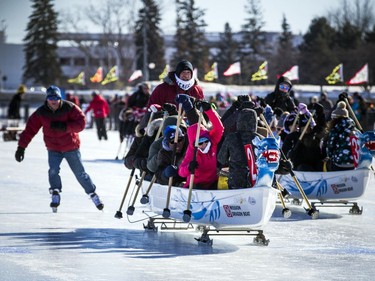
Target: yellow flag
[
  {"x": 262, "y": 73},
  {"x": 80, "y": 79},
  {"x": 111, "y": 76},
  {"x": 336, "y": 75},
  {"x": 212, "y": 74},
  {"x": 165, "y": 72}
]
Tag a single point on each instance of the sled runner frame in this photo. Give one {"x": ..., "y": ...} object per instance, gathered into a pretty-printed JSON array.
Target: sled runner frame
[
  {"x": 166, "y": 224},
  {"x": 153, "y": 224},
  {"x": 354, "y": 210},
  {"x": 208, "y": 231}
]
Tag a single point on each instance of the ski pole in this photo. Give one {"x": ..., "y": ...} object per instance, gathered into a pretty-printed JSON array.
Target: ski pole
[
  {"x": 166, "y": 212},
  {"x": 131, "y": 208},
  {"x": 119, "y": 149},
  {"x": 187, "y": 213},
  {"x": 145, "y": 198},
  {"x": 312, "y": 211},
  {"x": 118, "y": 214},
  {"x": 286, "y": 212}
]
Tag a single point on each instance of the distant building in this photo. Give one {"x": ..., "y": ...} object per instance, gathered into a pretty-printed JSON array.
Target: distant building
[{"x": 86, "y": 52}]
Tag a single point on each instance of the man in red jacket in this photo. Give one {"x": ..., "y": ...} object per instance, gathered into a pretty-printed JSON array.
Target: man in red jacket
[
  {"x": 100, "y": 108},
  {"x": 61, "y": 122}
]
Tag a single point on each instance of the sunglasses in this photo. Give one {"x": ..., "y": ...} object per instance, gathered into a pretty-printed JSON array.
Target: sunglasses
[
  {"x": 53, "y": 98},
  {"x": 179, "y": 140},
  {"x": 206, "y": 141},
  {"x": 284, "y": 87}
]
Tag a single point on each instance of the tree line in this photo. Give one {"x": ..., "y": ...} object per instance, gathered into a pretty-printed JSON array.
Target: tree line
[{"x": 345, "y": 35}]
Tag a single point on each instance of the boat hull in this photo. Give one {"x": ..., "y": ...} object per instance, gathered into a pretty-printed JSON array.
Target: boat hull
[
  {"x": 325, "y": 186},
  {"x": 246, "y": 207}
]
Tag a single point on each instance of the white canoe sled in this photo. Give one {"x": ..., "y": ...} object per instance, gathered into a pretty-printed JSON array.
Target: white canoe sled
[
  {"x": 337, "y": 185},
  {"x": 324, "y": 186},
  {"x": 244, "y": 207}
]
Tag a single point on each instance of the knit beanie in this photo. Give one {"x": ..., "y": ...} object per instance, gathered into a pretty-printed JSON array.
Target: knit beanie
[
  {"x": 53, "y": 91},
  {"x": 184, "y": 65},
  {"x": 170, "y": 131},
  {"x": 340, "y": 111},
  {"x": 21, "y": 89}
]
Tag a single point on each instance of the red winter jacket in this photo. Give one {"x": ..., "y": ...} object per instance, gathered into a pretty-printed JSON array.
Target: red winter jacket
[
  {"x": 205, "y": 174},
  {"x": 99, "y": 106},
  {"x": 168, "y": 90},
  {"x": 55, "y": 140}
]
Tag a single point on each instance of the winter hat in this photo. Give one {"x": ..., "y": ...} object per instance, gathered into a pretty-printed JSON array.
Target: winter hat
[
  {"x": 183, "y": 65},
  {"x": 169, "y": 132},
  {"x": 283, "y": 79},
  {"x": 21, "y": 89},
  {"x": 340, "y": 111},
  {"x": 53, "y": 92},
  {"x": 204, "y": 136}
]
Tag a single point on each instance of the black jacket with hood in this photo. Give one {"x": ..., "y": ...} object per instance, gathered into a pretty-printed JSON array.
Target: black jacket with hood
[
  {"x": 279, "y": 99},
  {"x": 232, "y": 151}
]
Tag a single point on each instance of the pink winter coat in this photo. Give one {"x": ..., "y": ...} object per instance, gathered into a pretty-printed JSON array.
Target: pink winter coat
[{"x": 205, "y": 175}]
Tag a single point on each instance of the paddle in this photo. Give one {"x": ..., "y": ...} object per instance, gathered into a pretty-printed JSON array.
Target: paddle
[
  {"x": 145, "y": 198},
  {"x": 166, "y": 212},
  {"x": 187, "y": 213},
  {"x": 131, "y": 208},
  {"x": 311, "y": 211},
  {"x": 118, "y": 214}
]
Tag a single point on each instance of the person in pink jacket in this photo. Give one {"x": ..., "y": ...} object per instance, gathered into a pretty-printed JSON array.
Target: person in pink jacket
[
  {"x": 100, "y": 109},
  {"x": 204, "y": 165}
]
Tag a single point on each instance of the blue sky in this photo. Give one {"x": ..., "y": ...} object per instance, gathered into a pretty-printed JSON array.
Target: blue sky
[{"x": 298, "y": 13}]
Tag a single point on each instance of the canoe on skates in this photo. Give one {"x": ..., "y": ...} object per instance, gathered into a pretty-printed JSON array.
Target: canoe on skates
[
  {"x": 243, "y": 207},
  {"x": 337, "y": 186}
]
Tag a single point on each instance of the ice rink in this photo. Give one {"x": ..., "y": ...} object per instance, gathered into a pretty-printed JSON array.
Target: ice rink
[{"x": 81, "y": 243}]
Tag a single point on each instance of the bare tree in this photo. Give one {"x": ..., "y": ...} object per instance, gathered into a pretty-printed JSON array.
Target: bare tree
[{"x": 113, "y": 44}]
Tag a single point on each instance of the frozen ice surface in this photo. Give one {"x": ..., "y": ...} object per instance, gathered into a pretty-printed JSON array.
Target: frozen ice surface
[{"x": 81, "y": 243}]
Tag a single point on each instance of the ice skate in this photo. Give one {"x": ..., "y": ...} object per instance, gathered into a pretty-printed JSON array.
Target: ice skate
[
  {"x": 55, "y": 199},
  {"x": 98, "y": 203}
]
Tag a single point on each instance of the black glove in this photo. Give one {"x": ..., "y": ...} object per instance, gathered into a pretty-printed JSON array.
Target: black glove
[
  {"x": 236, "y": 104},
  {"x": 259, "y": 110},
  {"x": 243, "y": 98},
  {"x": 262, "y": 102},
  {"x": 184, "y": 99},
  {"x": 141, "y": 164},
  {"x": 170, "y": 108},
  {"x": 248, "y": 104},
  {"x": 20, "y": 154},
  {"x": 343, "y": 96},
  {"x": 278, "y": 111},
  {"x": 192, "y": 166},
  {"x": 170, "y": 171},
  {"x": 204, "y": 104},
  {"x": 285, "y": 167},
  {"x": 58, "y": 125}
]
